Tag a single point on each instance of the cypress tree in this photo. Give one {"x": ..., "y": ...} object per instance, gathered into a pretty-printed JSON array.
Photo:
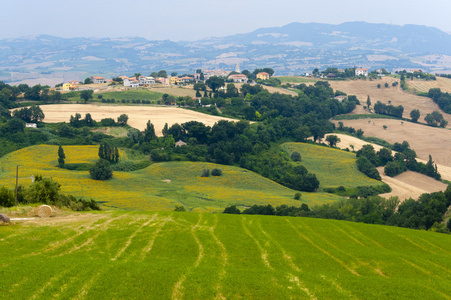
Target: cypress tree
[{"x": 61, "y": 156}]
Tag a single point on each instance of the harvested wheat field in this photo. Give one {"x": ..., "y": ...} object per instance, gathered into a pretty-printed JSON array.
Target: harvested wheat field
[
  {"x": 406, "y": 185},
  {"x": 137, "y": 115},
  {"x": 410, "y": 184},
  {"x": 423, "y": 86},
  {"x": 425, "y": 140},
  {"x": 364, "y": 88}
]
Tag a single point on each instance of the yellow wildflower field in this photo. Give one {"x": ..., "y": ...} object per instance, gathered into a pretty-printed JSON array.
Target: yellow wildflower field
[{"x": 158, "y": 187}]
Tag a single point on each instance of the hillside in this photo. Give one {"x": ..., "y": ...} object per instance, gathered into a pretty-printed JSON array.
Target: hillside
[
  {"x": 406, "y": 185},
  {"x": 364, "y": 88},
  {"x": 332, "y": 167},
  {"x": 205, "y": 256},
  {"x": 158, "y": 187}
]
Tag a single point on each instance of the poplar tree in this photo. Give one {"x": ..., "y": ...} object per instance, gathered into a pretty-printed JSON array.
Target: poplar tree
[{"x": 61, "y": 156}]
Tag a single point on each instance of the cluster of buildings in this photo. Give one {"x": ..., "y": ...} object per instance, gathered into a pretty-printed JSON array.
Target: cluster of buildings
[{"x": 172, "y": 80}]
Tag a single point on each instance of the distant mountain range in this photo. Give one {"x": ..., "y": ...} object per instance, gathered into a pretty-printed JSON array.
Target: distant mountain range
[{"x": 291, "y": 49}]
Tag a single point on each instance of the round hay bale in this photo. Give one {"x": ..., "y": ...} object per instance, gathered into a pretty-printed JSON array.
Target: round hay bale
[
  {"x": 44, "y": 211},
  {"x": 4, "y": 218}
]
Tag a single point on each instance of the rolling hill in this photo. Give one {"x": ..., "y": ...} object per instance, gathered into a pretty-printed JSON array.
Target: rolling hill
[
  {"x": 204, "y": 256},
  {"x": 158, "y": 187}
]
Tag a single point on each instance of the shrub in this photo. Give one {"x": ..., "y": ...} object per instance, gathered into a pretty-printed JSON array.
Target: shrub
[
  {"x": 205, "y": 173},
  {"x": 232, "y": 210},
  {"x": 179, "y": 208},
  {"x": 296, "y": 156},
  {"x": 101, "y": 170},
  {"x": 297, "y": 196},
  {"x": 6, "y": 197},
  {"x": 216, "y": 172}
]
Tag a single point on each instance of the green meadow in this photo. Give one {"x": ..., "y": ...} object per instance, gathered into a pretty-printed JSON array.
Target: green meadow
[
  {"x": 158, "y": 187},
  {"x": 170, "y": 255},
  {"x": 332, "y": 167},
  {"x": 295, "y": 79},
  {"x": 126, "y": 95}
]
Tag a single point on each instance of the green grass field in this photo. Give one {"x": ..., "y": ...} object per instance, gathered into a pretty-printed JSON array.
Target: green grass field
[
  {"x": 158, "y": 187},
  {"x": 127, "y": 95},
  {"x": 295, "y": 79},
  {"x": 168, "y": 255},
  {"x": 332, "y": 167}
]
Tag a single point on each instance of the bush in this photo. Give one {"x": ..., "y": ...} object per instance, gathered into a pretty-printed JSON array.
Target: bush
[
  {"x": 232, "y": 210},
  {"x": 179, "y": 208},
  {"x": 296, "y": 156},
  {"x": 216, "y": 172},
  {"x": 297, "y": 196},
  {"x": 6, "y": 197},
  {"x": 205, "y": 173},
  {"x": 101, "y": 170}
]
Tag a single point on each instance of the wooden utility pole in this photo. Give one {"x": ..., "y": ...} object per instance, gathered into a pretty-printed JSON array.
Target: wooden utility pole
[{"x": 17, "y": 180}]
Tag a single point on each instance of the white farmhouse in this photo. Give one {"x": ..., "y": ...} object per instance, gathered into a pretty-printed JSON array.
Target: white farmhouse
[
  {"x": 361, "y": 71},
  {"x": 131, "y": 82}
]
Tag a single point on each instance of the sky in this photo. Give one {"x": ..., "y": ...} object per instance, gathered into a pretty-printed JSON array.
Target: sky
[{"x": 183, "y": 20}]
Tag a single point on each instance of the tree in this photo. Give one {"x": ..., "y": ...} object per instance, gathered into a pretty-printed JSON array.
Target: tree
[
  {"x": 435, "y": 119},
  {"x": 86, "y": 95},
  {"x": 378, "y": 85},
  {"x": 216, "y": 172},
  {"x": 6, "y": 197},
  {"x": 43, "y": 190},
  {"x": 101, "y": 170},
  {"x": 296, "y": 156},
  {"x": 61, "y": 156},
  {"x": 215, "y": 82},
  {"x": 368, "y": 101},
  {"x": 88, "y": 81},
  {"x": 415, "y": 115},
  {"x": 122, "y": 119},
  {"x": 232, "y": 210},
  {"x": 205, "y": 173},
  {"x": 149, "y": 132},
  {"x": 386, "y": 85},
  {"x": 332, "y": 140},
  {"x": 37, "y": 115}
]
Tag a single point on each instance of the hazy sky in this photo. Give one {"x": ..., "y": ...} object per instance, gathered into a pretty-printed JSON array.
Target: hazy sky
[{"x": 196, "y": 19}]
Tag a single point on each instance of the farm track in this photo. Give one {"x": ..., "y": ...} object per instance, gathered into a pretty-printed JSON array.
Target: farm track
[{"x": 206, "y": 256}]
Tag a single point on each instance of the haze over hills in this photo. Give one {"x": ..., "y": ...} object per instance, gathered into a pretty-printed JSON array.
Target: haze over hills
[{"x": 291, "y": 49}]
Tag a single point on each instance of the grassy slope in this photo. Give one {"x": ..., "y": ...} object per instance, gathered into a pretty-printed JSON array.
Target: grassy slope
[
  {"x": 204, "y": 256},
  {"x": 127, "y": 95},
  {"x": 147, "y": 189},
  {"x": 332, "y": 167}
]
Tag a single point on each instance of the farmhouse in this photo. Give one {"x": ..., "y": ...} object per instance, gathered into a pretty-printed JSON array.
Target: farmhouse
[
  {"x": 68, "y": 87},
  {"x": 131, "y": 82},
  {"x": 145, "y": 81},
  {"x": 361, "y": 71},
  {"x": 263, "y": 76},
  {"x": 239, "y": 78},
  {"x": 174, "y": 80},
  {"x": 97, "y": 79},
  {"x": 31, "y": 125}
]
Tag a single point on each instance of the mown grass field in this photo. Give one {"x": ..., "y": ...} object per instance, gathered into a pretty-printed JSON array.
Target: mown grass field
[
  {"x": 168, "y": 255},
  {"x": 332, "y": 167},
  {"x": 158, "y": 187},
  {"x": 295, "y": 79}
]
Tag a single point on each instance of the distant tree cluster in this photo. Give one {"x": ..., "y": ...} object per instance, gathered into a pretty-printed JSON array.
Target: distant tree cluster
[
  {"x": 108, "y": 152},
  {"x": 269, "y": 210},
  {"x": 390, "y": 110}
]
